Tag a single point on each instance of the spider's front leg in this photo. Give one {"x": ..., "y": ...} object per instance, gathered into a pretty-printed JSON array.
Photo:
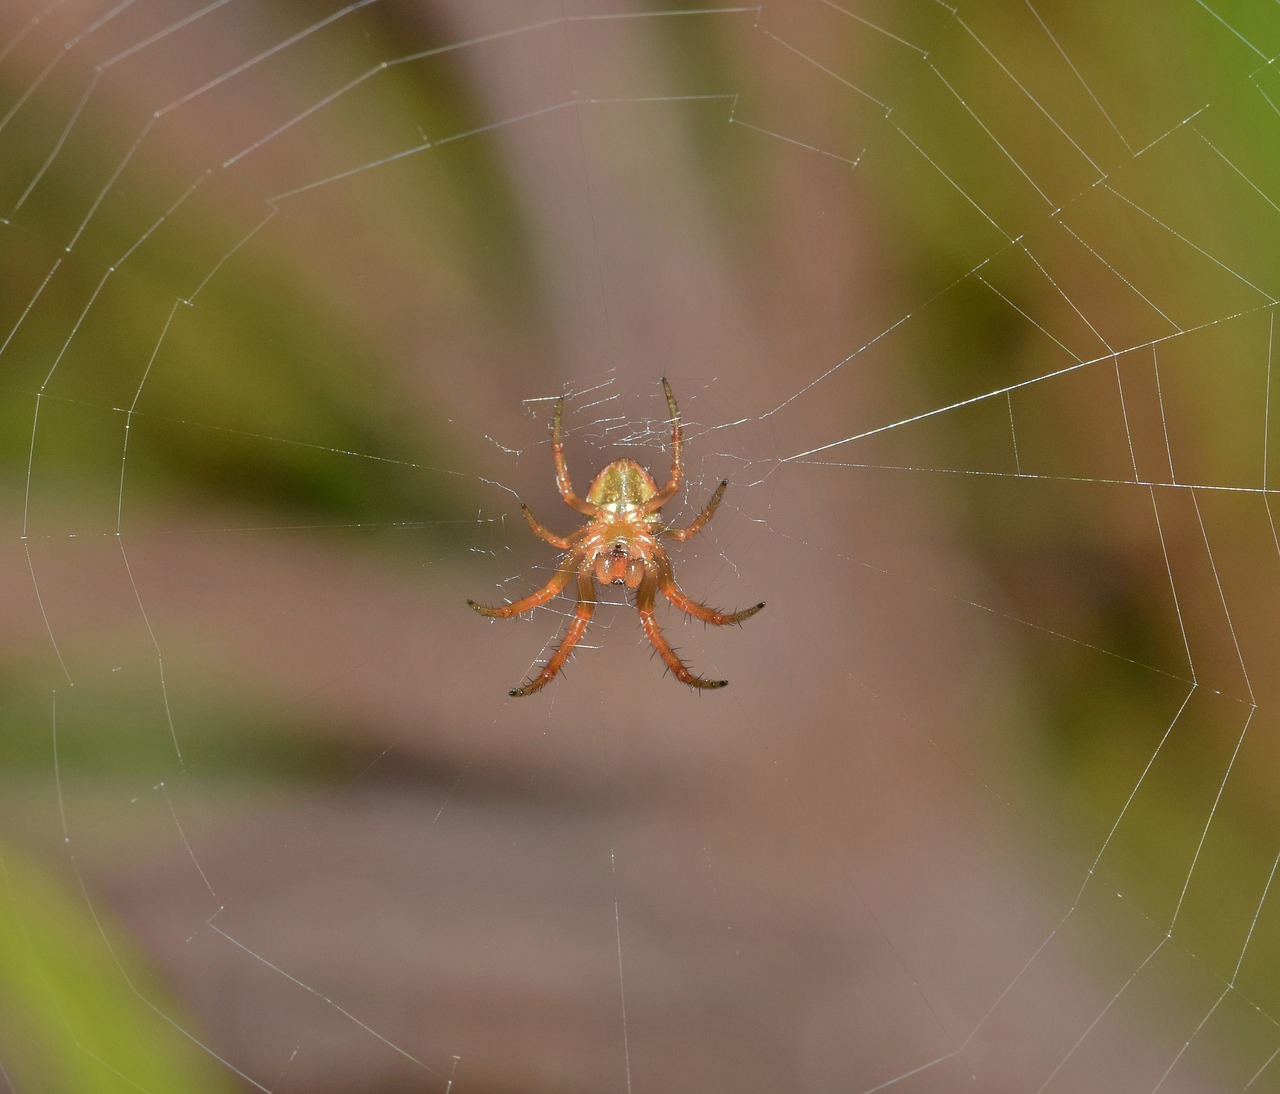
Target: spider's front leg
[
  {"x": 558, "y": 581},
  {"x": 667, "y": 583},
  {"x": 582, "y": 616},
  {"x": 645, "y": 595}
]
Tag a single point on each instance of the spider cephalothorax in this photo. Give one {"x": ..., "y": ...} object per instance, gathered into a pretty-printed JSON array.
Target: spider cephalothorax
[{"x": 619, "y": 545}]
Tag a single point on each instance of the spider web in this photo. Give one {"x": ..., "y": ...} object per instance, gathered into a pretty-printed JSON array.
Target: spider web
[{"x": 974, "y": 307}]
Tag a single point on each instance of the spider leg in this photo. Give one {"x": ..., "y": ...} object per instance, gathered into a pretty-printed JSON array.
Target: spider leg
[
  {"x": 644, "y": 605},
  {"x": 542, "y": 532},
  {"x": 582, "y": 616},
  {"x": 562, "y": 471},
  {"x": 677, "y": 466},
  {"x": 558, "y": 581},
  {"x": 700, "y": 520},
  {"x": 667, "y": 583}
]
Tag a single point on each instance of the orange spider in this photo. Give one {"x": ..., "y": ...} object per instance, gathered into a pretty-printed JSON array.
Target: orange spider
[{"x": 619, "y": 546}]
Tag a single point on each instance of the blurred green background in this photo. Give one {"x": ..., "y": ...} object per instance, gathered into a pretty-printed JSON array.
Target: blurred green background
[{"x": 973, "y": 307}]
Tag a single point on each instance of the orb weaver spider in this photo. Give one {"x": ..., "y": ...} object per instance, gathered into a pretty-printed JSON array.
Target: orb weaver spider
[{"x": 619, "y": 546}]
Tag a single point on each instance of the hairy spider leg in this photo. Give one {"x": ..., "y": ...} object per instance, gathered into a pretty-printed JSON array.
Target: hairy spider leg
[
  {"x": 562, "y": 471},
  {"x": 542, "y": 532},
  {"x": 677, "y": 467},
  {"x": 644, "y": 605},
  {"x": 582, "y": 616},
  {"x": 667, "y": 583},
  {"x": 700, "y": 520},
  {"x": 559, "y": 580}
]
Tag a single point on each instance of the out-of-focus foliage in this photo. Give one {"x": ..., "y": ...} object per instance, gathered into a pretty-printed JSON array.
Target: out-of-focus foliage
[{"x": 79, "y": 1013}]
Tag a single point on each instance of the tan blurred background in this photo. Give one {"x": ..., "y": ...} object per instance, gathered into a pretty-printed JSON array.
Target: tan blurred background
[{"x": 962, "y": 303}]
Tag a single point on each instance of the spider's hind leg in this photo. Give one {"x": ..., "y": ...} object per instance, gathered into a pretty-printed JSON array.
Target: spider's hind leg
[
  {"x": 562, "y": 470},
  {"x": 700, "y": 520},
  {"x": 542, "y": 532}
]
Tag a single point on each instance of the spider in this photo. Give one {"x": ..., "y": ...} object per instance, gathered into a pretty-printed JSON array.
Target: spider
[{"x": 619, "y": 546}]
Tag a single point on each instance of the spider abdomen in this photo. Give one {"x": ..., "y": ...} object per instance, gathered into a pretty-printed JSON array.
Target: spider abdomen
[{"x": 622, "y": 487}]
